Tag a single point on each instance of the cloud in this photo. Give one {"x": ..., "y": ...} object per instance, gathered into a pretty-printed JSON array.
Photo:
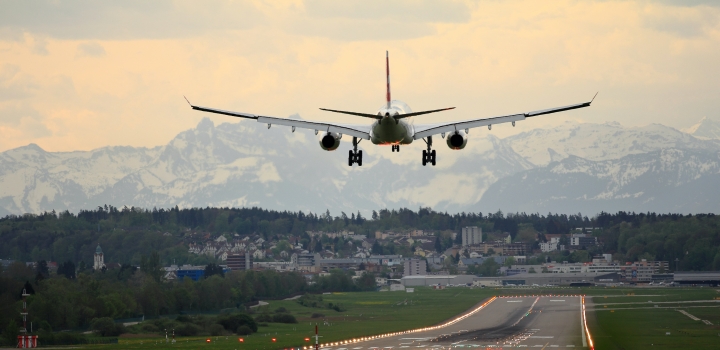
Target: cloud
[
  {"x": 91, "y": 49},
  {"x": 680, "y": 22},
  {"x": 426, "y": 11},
  {"x": 24, "y": 120},
  {"x": 131, "y": 19}
]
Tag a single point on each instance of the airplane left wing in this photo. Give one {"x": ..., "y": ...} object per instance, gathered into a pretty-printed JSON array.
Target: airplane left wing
[
  {"x": 425, "y": 130},
  {"x": 360, "y": 131}
]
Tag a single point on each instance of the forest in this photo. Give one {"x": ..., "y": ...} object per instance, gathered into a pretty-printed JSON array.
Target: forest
[{"x": 128, "y": 233}]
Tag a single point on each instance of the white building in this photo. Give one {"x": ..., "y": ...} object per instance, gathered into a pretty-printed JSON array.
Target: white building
[
  {"x": 471, "y": 235},
  {"x": 99, "y": 258},
  {"x": 550, "y": 246}
]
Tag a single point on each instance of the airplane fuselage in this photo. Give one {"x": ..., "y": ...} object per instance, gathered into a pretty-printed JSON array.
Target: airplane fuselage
[{"x": 391, "y": 131}]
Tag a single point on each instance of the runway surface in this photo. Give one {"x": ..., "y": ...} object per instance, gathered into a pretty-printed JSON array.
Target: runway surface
[{"x": 511, "y": 322}]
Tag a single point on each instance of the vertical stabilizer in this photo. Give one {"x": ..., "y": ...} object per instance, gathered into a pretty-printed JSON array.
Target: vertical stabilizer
[{"x": 387, "y": 75}]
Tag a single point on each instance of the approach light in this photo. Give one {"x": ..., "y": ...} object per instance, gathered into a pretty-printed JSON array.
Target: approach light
[
  {"x": 307, "y": 339},
  {"x": 241, "y": 340},
  {"x": 274, "y": 340},
  {"x": 207, "y": 340}
]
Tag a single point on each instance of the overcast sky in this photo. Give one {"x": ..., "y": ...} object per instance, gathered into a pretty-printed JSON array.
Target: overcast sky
[{"x": 77, "y": 75}]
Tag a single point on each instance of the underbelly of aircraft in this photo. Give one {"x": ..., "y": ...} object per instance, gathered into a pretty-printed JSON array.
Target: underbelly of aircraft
[{"x": 388, "y": 132}]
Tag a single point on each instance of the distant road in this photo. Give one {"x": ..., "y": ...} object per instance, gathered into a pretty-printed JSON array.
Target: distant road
[{"x": 522, "y": 322}]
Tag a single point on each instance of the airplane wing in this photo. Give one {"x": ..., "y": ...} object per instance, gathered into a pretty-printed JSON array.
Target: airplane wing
[
  {"x": 360, "y": 131},
  {"x": 425, "y": 130}
]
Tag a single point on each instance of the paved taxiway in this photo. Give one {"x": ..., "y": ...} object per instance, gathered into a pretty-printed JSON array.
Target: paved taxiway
[{"x": 512, "y": 322}]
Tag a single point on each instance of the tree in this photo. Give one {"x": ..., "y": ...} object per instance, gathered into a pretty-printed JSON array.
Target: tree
[
  {"x": 10, "y": 332},
  {"x": 151, "y": 266},
  {"x": 510, "y": 261},
  {"x": 438, "y": 245},
  {"x": 67, "y": 269},
  {"x": 532, "y": 270},
  {"x": 489, "y": 267},
  {"x": 214, "y": 269},
  {"x": 376, "y": 248}
]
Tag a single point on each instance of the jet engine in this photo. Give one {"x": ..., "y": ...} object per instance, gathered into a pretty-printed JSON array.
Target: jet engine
[
  {"x": 330, "y": 141},
  {"x": 456, "y": 140}
]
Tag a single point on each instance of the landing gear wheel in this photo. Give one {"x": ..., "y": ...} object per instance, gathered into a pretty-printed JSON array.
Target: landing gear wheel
[
  {"x": 351, "y": 157},
  {"x": 355, "y": 156},
  {"x": 429, "y": 154},
  {"x": 359, "y": 158}
]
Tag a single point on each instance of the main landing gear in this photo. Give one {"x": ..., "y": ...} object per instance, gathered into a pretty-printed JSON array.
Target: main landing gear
[
  {"x": 429, "y": 154},
  {"x": 354, "y": 155},
  {"x": 396, "y": 148}
]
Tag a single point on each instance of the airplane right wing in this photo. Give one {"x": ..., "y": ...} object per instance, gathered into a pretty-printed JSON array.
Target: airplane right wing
[
  {"x": 426, "y": 130},
  {"x": 359, "y": 131}
]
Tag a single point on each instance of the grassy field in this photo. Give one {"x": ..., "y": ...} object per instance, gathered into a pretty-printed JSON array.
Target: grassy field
[
  {"x": 367, "y": 313},
  {"x": 625, "y": 321},
  {"x": 370, "y": 313}
]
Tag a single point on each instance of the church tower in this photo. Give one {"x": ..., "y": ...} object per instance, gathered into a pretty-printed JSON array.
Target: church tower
[{"x": 99, "y": 259}]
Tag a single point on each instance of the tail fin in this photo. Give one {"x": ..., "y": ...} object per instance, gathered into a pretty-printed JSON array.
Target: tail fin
[{"x": 387, "y": 75}]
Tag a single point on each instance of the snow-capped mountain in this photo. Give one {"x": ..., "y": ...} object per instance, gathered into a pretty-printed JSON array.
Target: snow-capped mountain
[
  {"x": 600, "y": 141},
  {"x": 705, "y": 129},
  {"x": 669, "y": 180},
  {"x": 244, "y": 164}
]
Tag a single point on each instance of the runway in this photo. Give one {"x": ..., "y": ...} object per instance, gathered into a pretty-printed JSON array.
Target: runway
[{"x": 510, "y": 322}]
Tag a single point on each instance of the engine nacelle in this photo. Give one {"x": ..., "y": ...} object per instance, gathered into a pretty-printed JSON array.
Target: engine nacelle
[
  {"x": 456, "y": 140},
  {"x": 330, "y": 141}
]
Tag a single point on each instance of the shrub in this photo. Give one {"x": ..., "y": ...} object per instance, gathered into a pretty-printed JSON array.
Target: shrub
[
  {"x": 149, "y": 328},
  {"x": 106, "y": 327},
  {"x": 244, "y": 330},
  {"x": 284, "y": 318},
  {"x": 216, "y": 329},
  {"x": 281, "y": 309},
  {"x": 233, "y": 321},
  {"x": 187, "y": 329},
  {"x": 264, "y": 318},
  {"x": 263, "y": 324},
  {"x": 183, "y": 318}
]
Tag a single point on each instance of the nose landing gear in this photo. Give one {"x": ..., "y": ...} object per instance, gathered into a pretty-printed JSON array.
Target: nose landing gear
[
  {"x": 396, "y": 148},
  {"x": 429, "y": 154},
  {"x": 355, "y": 156}
]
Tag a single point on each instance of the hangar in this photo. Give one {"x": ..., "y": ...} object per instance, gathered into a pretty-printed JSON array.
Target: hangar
[
  {"x": 556, "y": 279},
  {"x": 706, "y": 278},
  {"x": 433, "y": 280}
]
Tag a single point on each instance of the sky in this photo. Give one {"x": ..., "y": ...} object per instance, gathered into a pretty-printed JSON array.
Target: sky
[{"x": 78, "y": 75}]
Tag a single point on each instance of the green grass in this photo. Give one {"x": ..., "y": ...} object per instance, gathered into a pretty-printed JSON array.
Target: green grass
[
  {"x": 367, "y": 313},
  {"x": 645, "y": 327}
]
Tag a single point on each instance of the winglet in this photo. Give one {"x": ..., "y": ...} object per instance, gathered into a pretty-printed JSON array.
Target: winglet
[
  {"x": 187, "y": 101},
  {"x": 593, "y": 99}
]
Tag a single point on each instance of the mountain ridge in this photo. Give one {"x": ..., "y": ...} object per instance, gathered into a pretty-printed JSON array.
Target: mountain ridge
[{"x": 244, "y": 164}]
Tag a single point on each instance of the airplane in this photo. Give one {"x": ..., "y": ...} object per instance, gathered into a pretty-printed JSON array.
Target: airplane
[{"x": 390, "y": 125}]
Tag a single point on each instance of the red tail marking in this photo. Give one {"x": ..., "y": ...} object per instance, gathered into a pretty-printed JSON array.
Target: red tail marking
[{"x": 387, "y": 75}]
